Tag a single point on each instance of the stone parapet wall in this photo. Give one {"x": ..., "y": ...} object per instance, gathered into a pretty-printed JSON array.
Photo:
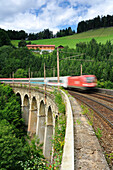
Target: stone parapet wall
[
  {"x": 105, "y": 91},
  {"x": 68, "y": 151},
  {"x": 88, "y": 153}
]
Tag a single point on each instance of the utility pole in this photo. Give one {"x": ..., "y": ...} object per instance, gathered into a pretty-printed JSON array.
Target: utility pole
[
  {"x": 81, "y": 69},
  {"x": 54, "y": 72},
  {"x": 45, "y": 83},
  {"x": 58, "y": 66},
  {"x": 29, "y": 123},
  {"x": 31, "y": 74},
  {"x": 13, "y": 78},
  {"x": 29, "y": 85}
]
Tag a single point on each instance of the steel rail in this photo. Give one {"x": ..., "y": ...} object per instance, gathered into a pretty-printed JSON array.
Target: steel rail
[
  {"x": 100, "y": 114},
  {"x": 100, "y": 97},
  {"x": 95, "y": 101},
  {"x": 101, "y": 94}
]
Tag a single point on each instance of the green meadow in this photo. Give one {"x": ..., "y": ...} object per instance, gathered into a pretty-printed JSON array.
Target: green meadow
[{"x": 100, "y": 35}]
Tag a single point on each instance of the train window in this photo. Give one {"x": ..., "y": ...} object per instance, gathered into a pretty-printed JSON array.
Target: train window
[
  {"x": 54, "y": 81},
  {"x": 20, "y": 80},
  {"x": 6, "y": 80},
  {"x": 90, "y": 79},
  {"x": 37, "y": 80}
]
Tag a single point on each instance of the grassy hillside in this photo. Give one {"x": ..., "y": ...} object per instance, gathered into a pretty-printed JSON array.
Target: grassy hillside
[{"x": 100, "y": 35}]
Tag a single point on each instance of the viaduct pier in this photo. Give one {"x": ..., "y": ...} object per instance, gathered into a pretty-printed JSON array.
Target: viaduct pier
[{"x": 81, "y": 148}]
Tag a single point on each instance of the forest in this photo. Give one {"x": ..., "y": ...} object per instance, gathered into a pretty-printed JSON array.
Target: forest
[
  {"x": 95, "y": 58},
  {"x": 17, "y": 151},
  {"x": 95, "y": 23},
  {"x": 45, "y": 34}
]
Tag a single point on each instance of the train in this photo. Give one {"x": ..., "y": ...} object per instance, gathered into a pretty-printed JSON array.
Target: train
[{"x": 78, "y": 82}]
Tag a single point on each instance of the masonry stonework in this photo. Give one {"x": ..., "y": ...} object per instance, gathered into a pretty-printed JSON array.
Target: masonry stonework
[{"x": 39, "y": 116}]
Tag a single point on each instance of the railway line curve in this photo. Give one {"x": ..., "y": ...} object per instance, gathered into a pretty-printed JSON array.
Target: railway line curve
[{"x": 101, "y": 118}]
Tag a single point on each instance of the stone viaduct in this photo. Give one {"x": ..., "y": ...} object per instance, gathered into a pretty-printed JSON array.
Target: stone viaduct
[{"x": 39, "y": 115}]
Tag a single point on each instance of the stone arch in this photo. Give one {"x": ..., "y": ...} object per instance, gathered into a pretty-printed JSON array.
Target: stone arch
[
  {"x": 49, "y": 134},
  {"x": 33, "y": 121},
  {"x": 49, "y": 117},
  {"x": 41, "y": 122},
  {"x": 42, "y": 108},
  {"x": 26, "y": 100},
  {"x": 19, "y": 98},
  {"x": 34, "y": 103},
  {"x": 25, "y": 108}
]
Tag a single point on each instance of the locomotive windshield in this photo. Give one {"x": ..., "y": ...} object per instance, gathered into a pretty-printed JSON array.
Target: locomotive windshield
[{"x": 90, "y": 79}]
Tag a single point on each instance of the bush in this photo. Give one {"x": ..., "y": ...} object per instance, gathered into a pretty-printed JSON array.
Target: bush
[
  {"x": 105, "y": 84},
  {"x": 12, "y": 149},
  {"x": 59, "y": 101}
]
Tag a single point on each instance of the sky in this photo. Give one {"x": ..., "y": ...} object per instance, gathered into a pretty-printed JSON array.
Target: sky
[{"x": 34, "y": 16}]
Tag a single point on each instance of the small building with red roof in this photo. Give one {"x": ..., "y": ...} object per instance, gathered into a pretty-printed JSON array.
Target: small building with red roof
[{"x": 48, "y": 48}]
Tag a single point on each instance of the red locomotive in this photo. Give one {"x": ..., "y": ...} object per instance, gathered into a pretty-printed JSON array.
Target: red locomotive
[{"x": 82, "y": 82}]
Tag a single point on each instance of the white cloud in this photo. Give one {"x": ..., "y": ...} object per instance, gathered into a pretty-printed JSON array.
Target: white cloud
[
  {"x": 101, "y": 8},
  {"x": 37, "y": 15}
]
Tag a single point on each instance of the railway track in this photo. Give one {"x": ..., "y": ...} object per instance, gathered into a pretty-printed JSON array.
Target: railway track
[
  {"x": 102, "y": 118},
  {"x": 103, "y": 97},
  {"x": 103, "y": 110}
]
